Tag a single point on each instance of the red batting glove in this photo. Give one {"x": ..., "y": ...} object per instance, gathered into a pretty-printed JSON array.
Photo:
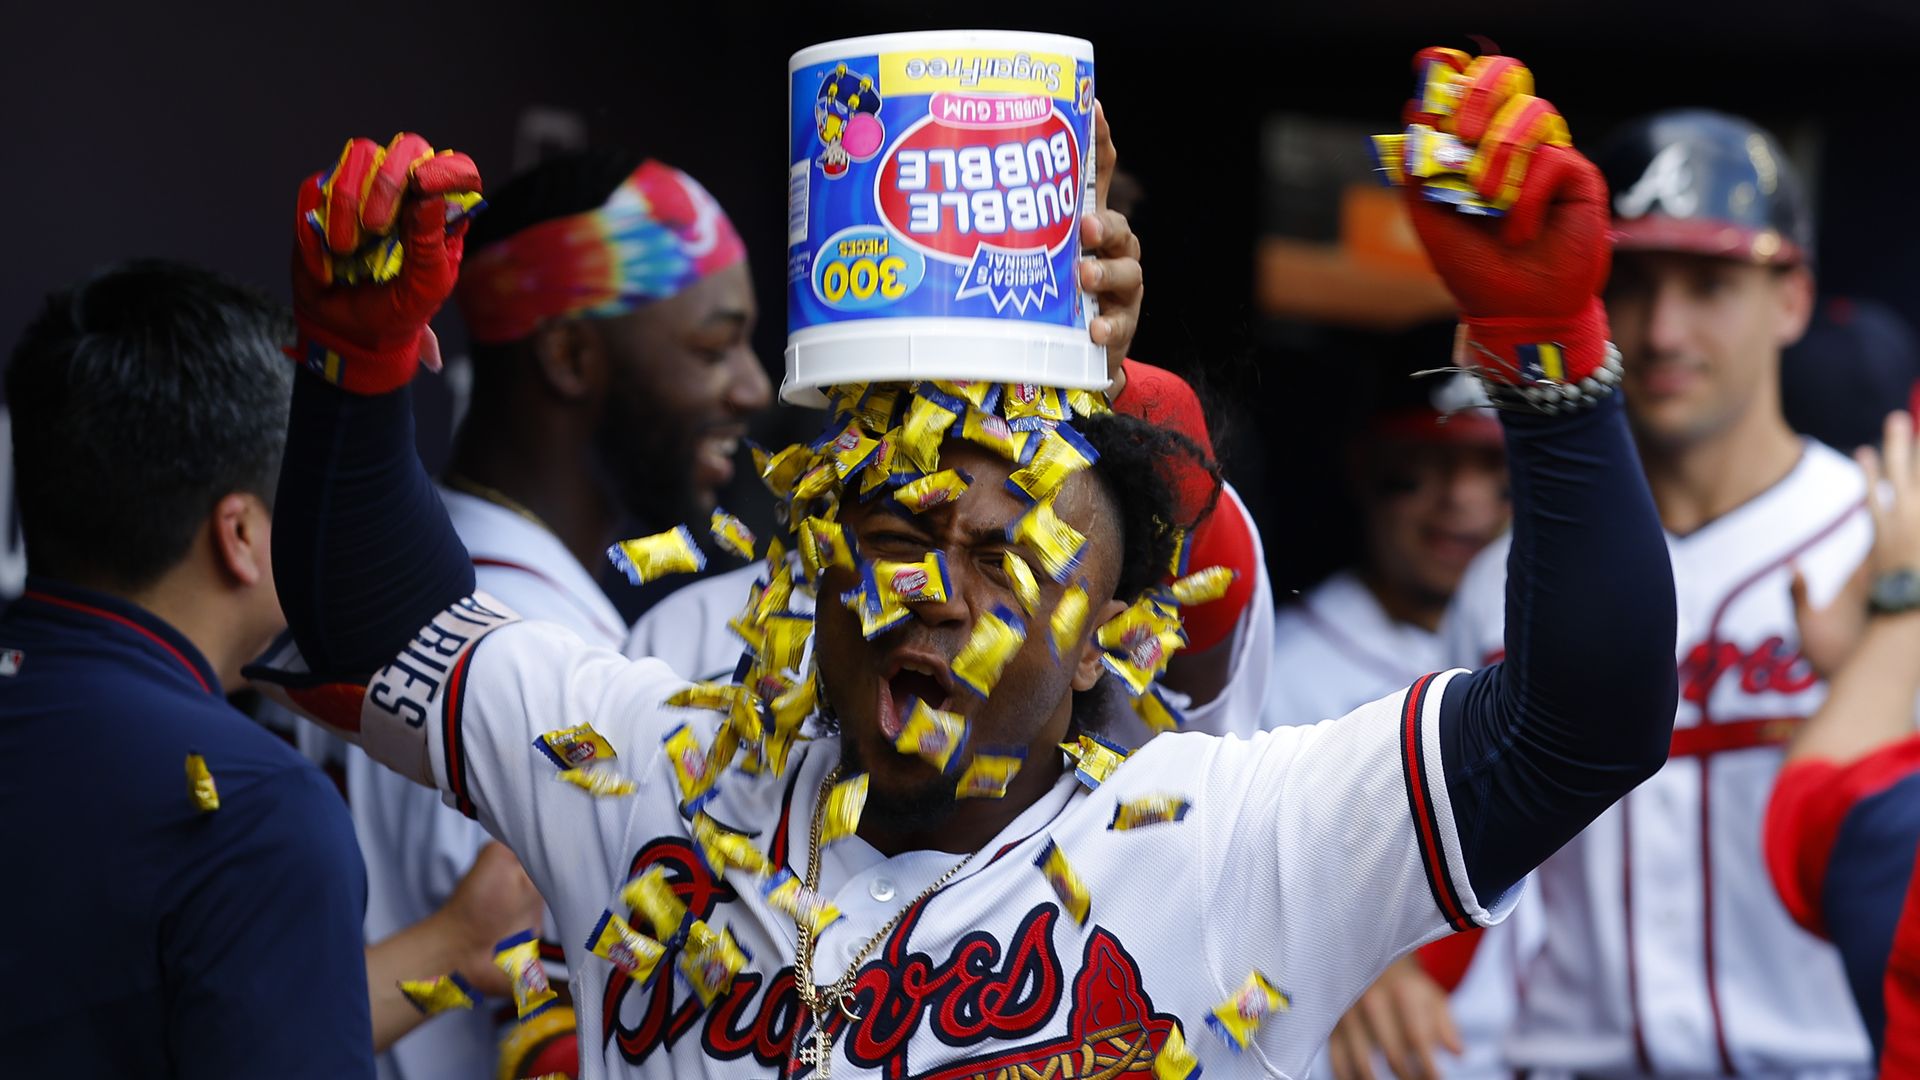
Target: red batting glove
[
  {"x": 1527, "y": 286},
  {"x": 367, "y": 336}
]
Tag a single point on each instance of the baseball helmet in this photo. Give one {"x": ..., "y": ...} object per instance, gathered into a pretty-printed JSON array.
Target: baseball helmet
[{"x": 1704, "y": 182}]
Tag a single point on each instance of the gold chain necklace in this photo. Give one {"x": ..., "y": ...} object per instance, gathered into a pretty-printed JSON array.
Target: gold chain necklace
[
  {"x": 820, "y": 1001},
  {"x": 495, "y": 496}
]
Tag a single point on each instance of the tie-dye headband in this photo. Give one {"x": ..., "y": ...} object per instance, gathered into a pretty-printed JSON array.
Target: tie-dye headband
[{"x": 658, "y": 233}]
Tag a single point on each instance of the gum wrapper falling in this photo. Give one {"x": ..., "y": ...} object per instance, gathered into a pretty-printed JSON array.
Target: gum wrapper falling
[
  {"x": 519, "y": 957},
  {"x": 435, "y": 996},
  {"x": 1240, "y": 1016},
  {"x": 651, "y": 558},
  {"x": 618, "y": 943}
]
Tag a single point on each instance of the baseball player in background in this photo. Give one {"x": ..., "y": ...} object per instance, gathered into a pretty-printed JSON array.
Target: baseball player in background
[
  {"x": 1667, "y": 952},
  {"x": 1226, "y": 898},
  {"x": 1843, "y": 826},
  {"x": 1427, "y": 472}
]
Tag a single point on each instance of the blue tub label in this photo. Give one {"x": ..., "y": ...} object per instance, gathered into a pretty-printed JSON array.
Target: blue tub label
[{"x": 939, "y": 183}]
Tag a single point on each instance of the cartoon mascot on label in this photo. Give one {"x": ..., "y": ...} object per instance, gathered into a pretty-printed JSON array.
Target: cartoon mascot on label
[{"x": 846, "y": 113}]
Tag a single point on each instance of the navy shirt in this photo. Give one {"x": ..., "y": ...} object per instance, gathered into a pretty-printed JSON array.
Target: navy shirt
[{"x": 144, "y": 937}]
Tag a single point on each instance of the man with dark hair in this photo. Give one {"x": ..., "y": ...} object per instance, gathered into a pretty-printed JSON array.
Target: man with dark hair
[
  {"x": 729, "y": 891},
  {"x": 184, "y": 885}
]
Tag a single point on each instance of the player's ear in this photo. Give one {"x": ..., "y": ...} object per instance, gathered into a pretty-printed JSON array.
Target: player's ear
[
  {"x": 1087, "y": 670},
  {"x": 241, "y": 533},
  {"x": 1794, "y": 287},
  {"x": 570, "y": 359}
]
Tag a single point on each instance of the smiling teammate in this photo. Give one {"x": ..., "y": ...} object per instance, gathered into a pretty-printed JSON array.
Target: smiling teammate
[{"x": 1254, "y": 886}]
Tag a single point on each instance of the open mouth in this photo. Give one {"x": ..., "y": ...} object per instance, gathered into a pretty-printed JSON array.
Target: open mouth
[{"x": 912, "y": 678}]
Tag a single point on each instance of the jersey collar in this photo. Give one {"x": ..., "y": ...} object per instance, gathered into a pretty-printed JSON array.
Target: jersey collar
[{"x": 73, "y": 605}]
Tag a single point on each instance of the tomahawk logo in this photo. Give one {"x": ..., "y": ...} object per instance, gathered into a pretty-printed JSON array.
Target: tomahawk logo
[{"x": 1668, "y": 183}]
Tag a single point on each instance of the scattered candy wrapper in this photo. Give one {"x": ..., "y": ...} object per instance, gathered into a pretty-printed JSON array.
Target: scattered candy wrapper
[
  {"x": 1238, "y": 1018},
  {"x": 997, "y": 636},
  {"x": 575, "y": 747},
  {"x": 1157, "y": 713},
  {"x": 1029, "y": 401},
  {"x": 725, "y": 850},
  {"x": 1203, "y": 586},
  {"x": 928, "y": 418},
  {"x": 1061, "y": 453},
  {"x": 652, "y": 896},
  {"x": 617, "y": 942},
  {"x": 708, "y": 961},
  {"x": 604, "y": 783},
  {"x": 1052, "y": 863},
  {"x": 1176, "y": 1060},
  {"x": 923, "y": 582},
  {"x": 1059, "y": 545},
  {"x": 200, "y": 785},
  {"x": 1025, "y": 585},
  {"x": 1148, "y": 810},
  {"x": 988, "y": 774},
  {"x": 844, "y": 802},
  {"x": 651, "y": 558},
  {"x": 1068, "y": 621},
  {"x": 934, "y": 490},
  {"x": 731, "y": 534},
  {"x": 997, "y": 435},
  {"x": 691, "y": 767},
  {"x": 519, "y": 957},
  {"x": 435, "y": 996},
  {"x": 932, "y": 735},
  {"x": 1094, "y": 759},
  {"x": 1137, "y": 644},
  {"x": 785, "y": 892}
]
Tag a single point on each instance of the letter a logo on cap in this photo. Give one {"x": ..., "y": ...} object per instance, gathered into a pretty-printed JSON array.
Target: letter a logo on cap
[{"x": 1668, "y": 182}]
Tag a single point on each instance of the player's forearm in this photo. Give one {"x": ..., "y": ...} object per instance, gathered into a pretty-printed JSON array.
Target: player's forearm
[
  {"x": 1870, "y": 701},
  {"x": 426, "y": 950},
  {"x": 1581, "y": 710},
  {"x": 363, "y": 552}
]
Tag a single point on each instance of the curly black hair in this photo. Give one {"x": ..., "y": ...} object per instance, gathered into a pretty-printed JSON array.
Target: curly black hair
[{"x": 1138, "y": 463}]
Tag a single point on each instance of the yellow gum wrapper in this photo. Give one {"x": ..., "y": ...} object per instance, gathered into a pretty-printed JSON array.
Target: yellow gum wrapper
[
  {"x": 1203, "y": 586},
  {"x": 435, "y": 996},
  {"x": 928, "y": 419},
  {"x": 743, "y": 717},
  {"x": 876, "y": 617},
  {"x": 997, "y": 636},
  {"x": 786, "y": 641},
  {"x": 875, "y": 411},
  {"x": 816, "y": 482},
  {"x": 1031, "y": 401},
  {"x": 624, "y": 947},
  {"x": 1237, "y": 1018},
  {"x": 776, "y": 598},
  {"x": 783, "y": 470},
  {"x": 889, "y": 463},
  {"x": 850, "y": 450},
  {"x": 653, "y": 897},
  {"x": 1088, "y": 402},
  {"x": 691, "y": 767},
  {"x": 1148, "y": 810},
  {"x": 717, "y": 697},
  {"x": 932, "y": 735},
  {"x": 845, "y": 801},
  {"x": 1176, "y": 1060},
  {"x": 1137, "y": 644},
  {"x": 785, "y": 892},
  {"x": 825, "y": 544},
  {"x": 845, "y": 397},
  {"x": 985, "y": 429},
  {"x": 519, "y": 957},
  {"x": 601, "y": 783},
  {"x": 775, "y": 747},
  {"x": 575, "y": 747},
  {"x": 974, "y": 393},
  {"x": 988, "y": 775},
  {"x": 1061, "y": 453},
  {"x": 1094, "y": 759},
  {"x": 731, "y": 534},
  {"x": 651, "y": 558},
  {"x": 709, "y": 959},
  {"x": 1025, "y": 586},
  {"x": 937, "y": 489},
  {"x": 1068, "y": 621},
  {"x": 1154, "y": 711},
  {"x": 727, "y": 850},
  {"x": 923, "y": 582},
  {"x": 1058, "y": 544},
  {"x": 200, "y": 785},
  {"x": 792, "y": 708},
  {"x": 1052, "y": 863}
]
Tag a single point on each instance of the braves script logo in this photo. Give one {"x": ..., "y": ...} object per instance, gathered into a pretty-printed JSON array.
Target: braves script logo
[
  {"x": 983, "y": 991},
  {"x": 1769, "y": 667}
]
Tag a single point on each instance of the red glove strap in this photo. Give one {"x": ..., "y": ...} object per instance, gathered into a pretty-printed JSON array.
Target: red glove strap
[
  {"x": 1224, "y": 538},
  {"x": 351, "y": 367},
  {"x": 1532, "y": 349}
]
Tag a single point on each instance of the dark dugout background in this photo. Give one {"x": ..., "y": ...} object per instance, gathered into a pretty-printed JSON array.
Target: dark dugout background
[{"x": 181, "y": 131}]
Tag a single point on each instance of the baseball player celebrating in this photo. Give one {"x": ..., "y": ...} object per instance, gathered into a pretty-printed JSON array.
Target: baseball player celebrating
[
  {"x": 870, "y": 857},
  {"x": 1667, "y": 952}
]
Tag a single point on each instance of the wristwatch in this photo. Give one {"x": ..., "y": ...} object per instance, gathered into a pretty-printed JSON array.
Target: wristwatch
[{"x": 1896, "y": 591}]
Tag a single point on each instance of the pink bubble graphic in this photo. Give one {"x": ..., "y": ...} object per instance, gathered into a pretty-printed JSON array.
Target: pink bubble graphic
[{"x": 862, "y": 138}]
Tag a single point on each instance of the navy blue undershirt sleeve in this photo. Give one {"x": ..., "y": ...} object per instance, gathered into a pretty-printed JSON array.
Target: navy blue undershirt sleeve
[
  {"x": 263, "y": 951},
  {"x": 1581, "y": 708},
  {"x": 363, "y": 552}
]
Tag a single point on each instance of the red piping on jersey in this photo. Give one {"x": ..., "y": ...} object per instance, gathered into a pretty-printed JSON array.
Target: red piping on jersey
[
  {"x": 89, "y": 609},
  {"x": 1426, "y": 823},
  {"x": 452, "y": 747},
  {"x": 1353, "y": 649},
  {"x": 1704, "y": 739},
  {"x": 615, "y": 635}
]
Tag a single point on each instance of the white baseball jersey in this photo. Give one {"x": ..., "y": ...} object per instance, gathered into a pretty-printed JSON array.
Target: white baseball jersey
[
  {"x": 688, "y": 632},
  {"x": 1335, "y": 648},
  {"x": 1304, "y": 855},
  {"x": 1667, "y": 951},
  {"x": 416, "y": 848}
]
